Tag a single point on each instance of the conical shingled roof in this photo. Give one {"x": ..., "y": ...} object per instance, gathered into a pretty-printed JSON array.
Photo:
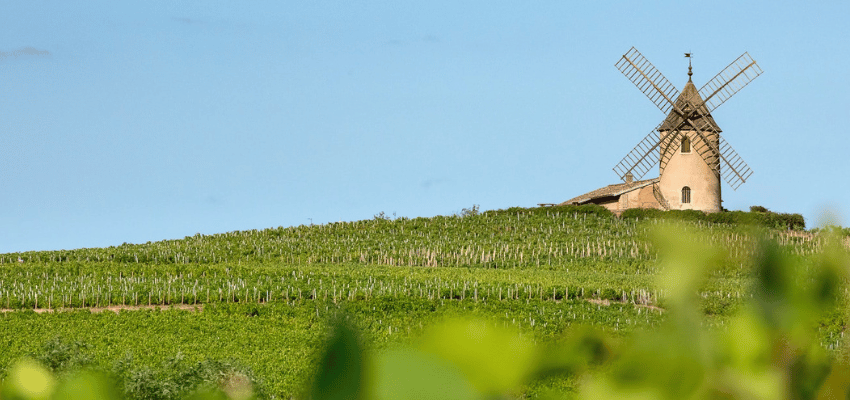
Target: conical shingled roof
[{"x": 689, "y": 95}]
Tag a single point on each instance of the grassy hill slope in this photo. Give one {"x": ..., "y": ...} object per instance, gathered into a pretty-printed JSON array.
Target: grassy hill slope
[{"x": 266, "y": 294}]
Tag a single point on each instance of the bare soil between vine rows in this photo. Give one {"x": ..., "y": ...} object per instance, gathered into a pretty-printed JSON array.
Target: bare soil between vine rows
[
  {"x": 200, "y": 307},
  {"x": 115, "y": 309}
]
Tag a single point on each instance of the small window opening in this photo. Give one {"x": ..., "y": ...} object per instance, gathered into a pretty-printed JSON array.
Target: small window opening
[
  {"x": 686, "y": 145},
  {"x": 686, "y": 195}
]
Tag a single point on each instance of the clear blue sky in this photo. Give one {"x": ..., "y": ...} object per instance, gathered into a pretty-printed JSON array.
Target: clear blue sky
[{"x": 147, "y": 120}]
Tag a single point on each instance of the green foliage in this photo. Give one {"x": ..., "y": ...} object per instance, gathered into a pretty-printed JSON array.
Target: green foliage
[
  {"x": 539, "y": 274},
  {"x": 832, "y": 230},
  {"x": 381, "y": 216},
  {"x": 87, "y": 384},
  {"x": 469, "y": 212},
  {"x": 282, "y": 342},
  {"x": 758, "y": 209},
  {"x": 779, "y": 220},
  {"x": 758, "y": 216},
  {"x": 675, "y": 215},
  {"x": 410, "y": 374},
  {"x": 28, "y": 380},
  {"x": 738, "y": 218},
  {"x": 451, "y": 241},
  {"x": 787, "y": 221},
  {"x": 60, "y": 355},
  {"x": 341, "y": 370},
  {"x": 582, "y": 209},
  {"x": 642, "y": 214},
  {"x": 512, "y": 238},
  {"x": 176, "y": 379},
  {"x": 769, "y": 349}
]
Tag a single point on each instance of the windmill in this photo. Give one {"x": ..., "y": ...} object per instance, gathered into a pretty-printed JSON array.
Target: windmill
[{"x": 687, "y": 146}]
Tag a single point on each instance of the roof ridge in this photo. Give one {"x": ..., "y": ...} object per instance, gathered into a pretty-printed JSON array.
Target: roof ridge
[{"x": 615, "y": 189}]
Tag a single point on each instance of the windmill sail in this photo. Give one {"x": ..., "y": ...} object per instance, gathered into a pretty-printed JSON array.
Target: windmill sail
[
  {"x": 732, "y": 79},
  {"x": 719, "y": 156},
  {"x": 644, "y": 156},
  {"x": 689, "y": 114},
  {"x": 651, "y": 82},
  {"x": 734, "y": 170}
]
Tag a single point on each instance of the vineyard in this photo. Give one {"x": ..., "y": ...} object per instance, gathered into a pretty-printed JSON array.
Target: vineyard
[
  {"x": 513, "y": 238},
  {"x": 262, "y": 298}
]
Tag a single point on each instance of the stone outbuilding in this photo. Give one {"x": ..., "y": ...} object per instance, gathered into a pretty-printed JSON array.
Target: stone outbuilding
[
  {"x": 689, "y": 175},
  {"x": 622, "y": 196}
]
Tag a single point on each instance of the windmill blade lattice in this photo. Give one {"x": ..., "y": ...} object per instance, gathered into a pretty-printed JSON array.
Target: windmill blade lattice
[
  {"x": 723, "y": 160},
  {"x": 641, "y": 159},
  {"x": 694, "y": 120},
  {"x": 732, "y": 79},
  {"x": 734, "y": 170},
  {"x": 644, "y": 156},
  {"x": 648, "y": 79},
  {"x": 702, "y": 128},
  {"x": 672, "y": 144}
]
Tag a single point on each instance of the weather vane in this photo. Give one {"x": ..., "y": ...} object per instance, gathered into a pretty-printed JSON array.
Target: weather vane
[{"x": 689, "y": 56}]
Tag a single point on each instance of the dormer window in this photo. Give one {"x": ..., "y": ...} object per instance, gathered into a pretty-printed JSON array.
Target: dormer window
[
  {"x": 686, "y": 145},
  {"x": 686, "y": 195}
]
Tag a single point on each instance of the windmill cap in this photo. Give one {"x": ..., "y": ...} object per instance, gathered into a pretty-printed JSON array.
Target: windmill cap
[{"x": 689, "y": 95}]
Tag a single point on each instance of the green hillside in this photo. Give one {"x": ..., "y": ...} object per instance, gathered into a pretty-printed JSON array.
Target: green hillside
[{"x": 262, "y": 299}]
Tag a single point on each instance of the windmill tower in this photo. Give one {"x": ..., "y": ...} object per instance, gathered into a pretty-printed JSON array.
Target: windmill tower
[{"x": 687, "y": 146}]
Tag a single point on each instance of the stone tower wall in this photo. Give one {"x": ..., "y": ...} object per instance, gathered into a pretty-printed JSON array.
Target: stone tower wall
[{"x": 691, "y": 170}]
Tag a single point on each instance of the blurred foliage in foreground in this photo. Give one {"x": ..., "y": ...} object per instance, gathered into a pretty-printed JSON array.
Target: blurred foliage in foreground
[
  {"x": 62, "y": 371},
  {"x": 767, "y": 350}
]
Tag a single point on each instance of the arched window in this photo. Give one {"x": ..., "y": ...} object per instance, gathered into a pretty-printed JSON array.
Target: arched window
[
  {"x": 686, "y": 145},
  {"x": 686, "y": 195}
]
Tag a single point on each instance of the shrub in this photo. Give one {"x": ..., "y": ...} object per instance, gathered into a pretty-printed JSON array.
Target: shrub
[
  {"x": 768, "y": 219},
  {"x": 676, "y": 215},
  {"x": 642, "y": 213},
  {"x": 60, "y": 355},
  {"x": 685, "y": 215},
  {"x": 468, "y": 212},
  {"x": 593, "y": 209}
]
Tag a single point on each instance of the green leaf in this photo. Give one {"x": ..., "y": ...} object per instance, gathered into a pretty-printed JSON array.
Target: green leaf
[
  {"x": 86, "y": 385},
  {"x": 837, "y": 383},
  {"x": 686, "y": 257},
  {"x": 495, "y": 360},
  {"x": 28, "y": 380},
  {"x": 416, "y": 375},
  {"x": 582, "y": 347},
  {"x": 341, "y": 369}
]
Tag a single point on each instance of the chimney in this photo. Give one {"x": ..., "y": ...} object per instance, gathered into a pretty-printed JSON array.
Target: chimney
[{"x": 629, "y": 177}]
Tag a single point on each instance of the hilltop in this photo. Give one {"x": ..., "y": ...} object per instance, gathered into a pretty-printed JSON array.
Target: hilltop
[
  {"x": 423, "y": 241},
  {"x": 270, "y": 292}
]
